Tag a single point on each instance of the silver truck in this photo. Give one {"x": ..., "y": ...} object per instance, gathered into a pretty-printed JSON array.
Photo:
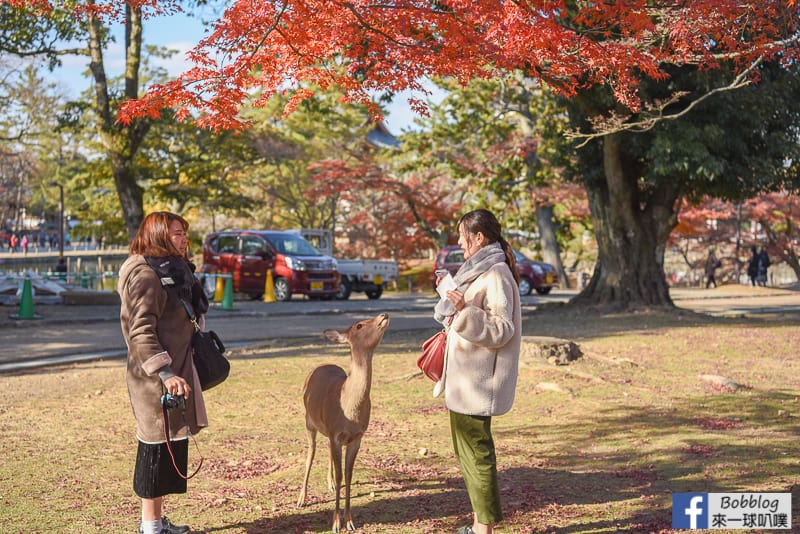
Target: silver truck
[{"x": 367, "y": 275}]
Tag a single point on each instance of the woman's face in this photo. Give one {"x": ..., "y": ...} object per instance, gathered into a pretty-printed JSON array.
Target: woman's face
[
  {"x": 178, "y": 237},
  {"x": 470, "y": 243}
]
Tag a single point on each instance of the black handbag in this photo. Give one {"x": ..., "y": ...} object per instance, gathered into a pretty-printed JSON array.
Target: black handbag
[
  {"x": 207, "y": 351},
  {"x": 211, "y": 365}
]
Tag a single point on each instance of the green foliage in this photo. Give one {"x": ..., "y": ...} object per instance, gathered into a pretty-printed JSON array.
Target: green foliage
[
  {"x": 732, "y": 146},
  {"x": 193, "y": 170},
  {"x": 23, "y": 32},
  {"x": 285, "y": 184},
  {"x": 501, "y": 143}
]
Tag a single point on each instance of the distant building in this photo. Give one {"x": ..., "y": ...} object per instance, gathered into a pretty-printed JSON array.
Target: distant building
[{"x": 380, "y": 137}]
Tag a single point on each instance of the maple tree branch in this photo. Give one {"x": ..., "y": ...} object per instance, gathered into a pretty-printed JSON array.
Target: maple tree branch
[
  {"x": 615, "y": 123},
  {"x": 350, "y": 7}
]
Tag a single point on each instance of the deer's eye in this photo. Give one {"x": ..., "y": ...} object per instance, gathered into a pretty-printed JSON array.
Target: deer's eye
[{"x": 359, "y": 326}]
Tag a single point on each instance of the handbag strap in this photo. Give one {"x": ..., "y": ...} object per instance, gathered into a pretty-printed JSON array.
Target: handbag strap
[
  {"x": 187, "y": 476},
  {"x": 191, "y": 315}
]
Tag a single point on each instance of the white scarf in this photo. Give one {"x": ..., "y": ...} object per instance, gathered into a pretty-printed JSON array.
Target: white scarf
[{"x": 472, "y": 268}]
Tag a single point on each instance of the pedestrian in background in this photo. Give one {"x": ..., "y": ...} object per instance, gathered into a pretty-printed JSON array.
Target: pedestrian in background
[
  {"x": 752, "y": 265},
  {"x": 481, "y": 358},
  {"x": 712, "y": 264},
  {"x": 763, "y": 266},
  {"x": 153, "y": 282}
]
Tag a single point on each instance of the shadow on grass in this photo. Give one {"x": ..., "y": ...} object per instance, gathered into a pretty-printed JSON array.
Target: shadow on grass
[{"x": 572, "y": 322}]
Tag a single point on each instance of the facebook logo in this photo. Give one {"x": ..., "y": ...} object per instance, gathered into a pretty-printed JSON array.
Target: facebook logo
[{"x": 690, "y": 510}]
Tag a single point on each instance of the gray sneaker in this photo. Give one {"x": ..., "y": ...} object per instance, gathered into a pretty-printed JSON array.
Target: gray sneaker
[{"x": 168, "y": 528}]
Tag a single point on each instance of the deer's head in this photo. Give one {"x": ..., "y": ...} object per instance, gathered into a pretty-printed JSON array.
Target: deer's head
[{"x": 363, "y": 336}]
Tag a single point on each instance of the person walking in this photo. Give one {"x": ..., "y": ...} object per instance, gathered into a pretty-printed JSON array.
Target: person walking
[
  {"x": 763, "y": 266},
  {"x": 481, "y": 359},
  {"x": 752, "y": 265},
  {"x": 712, "y": 264},
  {"x": 153, "y": 283}
]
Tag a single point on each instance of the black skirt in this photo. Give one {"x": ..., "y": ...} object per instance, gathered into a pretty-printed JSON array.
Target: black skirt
[{"x": 154, "y": 474}]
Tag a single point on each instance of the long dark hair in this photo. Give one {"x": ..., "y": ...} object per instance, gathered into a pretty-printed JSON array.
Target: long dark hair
[
  {"x": 485, "y": 222},
  {"x": 152, "y": 239}
]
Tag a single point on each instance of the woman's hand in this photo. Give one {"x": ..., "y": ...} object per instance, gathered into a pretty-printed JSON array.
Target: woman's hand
[
  {"x": 177, "y": 385},
  {"x": 456, "y": 298}
]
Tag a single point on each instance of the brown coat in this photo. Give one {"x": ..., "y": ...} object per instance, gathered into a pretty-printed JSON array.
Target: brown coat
[{"x": 158, "y": 332}]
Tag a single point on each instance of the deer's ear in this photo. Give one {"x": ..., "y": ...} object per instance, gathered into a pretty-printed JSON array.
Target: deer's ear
[{"x": 335, "y": 336}]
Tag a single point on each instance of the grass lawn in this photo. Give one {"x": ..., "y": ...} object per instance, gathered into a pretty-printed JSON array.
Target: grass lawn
[{"x": 595, "y": 446}]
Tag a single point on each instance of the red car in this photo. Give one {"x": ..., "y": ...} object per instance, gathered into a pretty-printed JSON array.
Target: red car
[
  {"x": 297, "y": 267},
  {"x": 533, "y": 274}
]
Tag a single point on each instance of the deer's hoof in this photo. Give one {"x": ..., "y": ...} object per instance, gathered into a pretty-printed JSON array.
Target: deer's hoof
[{"x": 350, "y": 525}]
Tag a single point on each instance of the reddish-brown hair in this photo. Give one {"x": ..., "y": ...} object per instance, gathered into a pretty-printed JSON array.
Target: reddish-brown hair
[{"x": 152, "y": 239}]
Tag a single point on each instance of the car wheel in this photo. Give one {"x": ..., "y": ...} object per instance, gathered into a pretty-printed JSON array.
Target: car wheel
[
  {"x": 543, "y": 290},
  {"x": 344, "y": 290},
  {"x": 283, "y": 292},
  {"x": 525, "y": 286},
  {"x": 376, "y": 293}
]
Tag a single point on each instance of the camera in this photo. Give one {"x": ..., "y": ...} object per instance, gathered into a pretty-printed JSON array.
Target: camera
[{"x": 170, "y": 401}]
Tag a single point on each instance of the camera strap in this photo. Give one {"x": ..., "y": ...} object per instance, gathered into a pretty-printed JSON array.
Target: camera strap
[{"x": 187, "y": 476}]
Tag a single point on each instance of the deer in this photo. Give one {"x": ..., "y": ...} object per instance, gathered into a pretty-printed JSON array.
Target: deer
[{"x": 337, "y": 405}]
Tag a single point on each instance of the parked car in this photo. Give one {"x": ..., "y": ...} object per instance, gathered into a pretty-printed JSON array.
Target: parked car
[
  {"x": 533, "y": 274},
  {"x": 297, "y": 267}
]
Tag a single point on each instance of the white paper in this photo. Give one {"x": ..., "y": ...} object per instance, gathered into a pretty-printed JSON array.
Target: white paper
[{"x": 446, "y": 284}]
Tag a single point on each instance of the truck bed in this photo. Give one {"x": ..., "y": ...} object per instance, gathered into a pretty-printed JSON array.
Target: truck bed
[{"x": 369, "y": 269}]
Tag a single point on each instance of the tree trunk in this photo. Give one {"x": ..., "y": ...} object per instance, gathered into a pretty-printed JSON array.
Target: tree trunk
[
  {"x": 632, "y": 225},
  {"x": 547, "y": 237},
  {"x": 121, "y": 142}
]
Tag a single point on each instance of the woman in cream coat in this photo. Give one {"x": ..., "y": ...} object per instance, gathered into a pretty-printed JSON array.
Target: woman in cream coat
[{"x": 482, "y": 357}]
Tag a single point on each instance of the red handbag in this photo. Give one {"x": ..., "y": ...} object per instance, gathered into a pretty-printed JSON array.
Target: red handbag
[{"x": 431, "y": 362}]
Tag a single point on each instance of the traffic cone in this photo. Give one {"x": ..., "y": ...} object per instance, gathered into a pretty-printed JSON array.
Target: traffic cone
[
  {"x": 219, "y": 290},
  {"x": 269, "y": 288},
  {"x": 26, "y": 303},
  {"x": 227, "y": 298}
]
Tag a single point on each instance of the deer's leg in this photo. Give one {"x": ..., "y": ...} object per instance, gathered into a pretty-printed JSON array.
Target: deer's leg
[
  {"x": 349, "y": 462},
  {"x": 336, "y": 461},
  {"x": 312, "y": 446},
  {"x": 331, "y": 484}
]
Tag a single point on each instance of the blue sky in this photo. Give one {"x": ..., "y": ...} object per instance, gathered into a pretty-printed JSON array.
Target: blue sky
[{"x": 182, "y": 33}]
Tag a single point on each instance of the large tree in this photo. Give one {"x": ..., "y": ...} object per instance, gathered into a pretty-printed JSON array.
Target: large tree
[
  {"x": 625, "y": 66},
  {"x": 36, "y": 29}
]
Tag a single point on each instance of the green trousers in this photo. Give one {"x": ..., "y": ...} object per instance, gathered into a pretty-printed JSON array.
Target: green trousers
[{"x": 474, "y": 448}]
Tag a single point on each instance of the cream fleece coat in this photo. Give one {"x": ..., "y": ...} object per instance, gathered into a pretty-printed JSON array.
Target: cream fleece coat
[
  {"x": 158, "y": 332},
  {"x": 483, "y": 345}
]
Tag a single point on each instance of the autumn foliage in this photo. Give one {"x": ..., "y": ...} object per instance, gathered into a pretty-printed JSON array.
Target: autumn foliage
[
  {"x": 770, "y": 220},
  {"x": 261, "y": 48}
]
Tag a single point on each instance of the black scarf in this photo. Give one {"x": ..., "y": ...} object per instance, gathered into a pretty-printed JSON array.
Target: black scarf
[{"x": 177, "y": 277}]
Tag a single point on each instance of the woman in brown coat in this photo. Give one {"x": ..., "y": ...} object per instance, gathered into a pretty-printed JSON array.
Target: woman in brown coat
[{"x": 153, "y": 282}]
